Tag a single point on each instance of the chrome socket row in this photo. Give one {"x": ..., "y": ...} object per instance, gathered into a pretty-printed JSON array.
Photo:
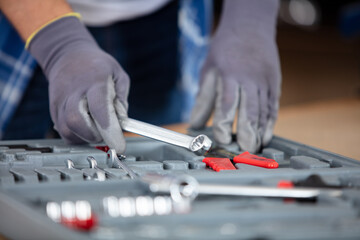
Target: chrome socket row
[
  {"x": 143, "y": 206},
  {"x": 80, "y": 210}
]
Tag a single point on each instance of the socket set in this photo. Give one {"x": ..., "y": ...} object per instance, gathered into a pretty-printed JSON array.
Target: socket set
[{"x": 50, "y": 190}]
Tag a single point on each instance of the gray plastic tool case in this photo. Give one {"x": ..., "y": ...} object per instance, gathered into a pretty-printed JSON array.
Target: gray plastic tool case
[{"x": 33, "y": 173}]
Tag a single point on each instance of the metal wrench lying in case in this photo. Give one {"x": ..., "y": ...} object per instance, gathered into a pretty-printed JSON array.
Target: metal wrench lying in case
[
  {"x": 186, "y": 187},
  {"x": 200, "y": 144}
]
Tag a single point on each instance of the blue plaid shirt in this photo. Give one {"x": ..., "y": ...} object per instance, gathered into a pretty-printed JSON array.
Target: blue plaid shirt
[
  {"x": 16, "y": 68},
  {"x": 195, "y": 25}
]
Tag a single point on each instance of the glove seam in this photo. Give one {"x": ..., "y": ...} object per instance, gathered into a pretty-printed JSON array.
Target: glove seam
[{"x": 30, "y": 38}]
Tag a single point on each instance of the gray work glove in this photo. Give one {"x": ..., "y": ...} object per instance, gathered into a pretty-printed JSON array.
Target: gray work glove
[
  {"x": 241, "y": 75},
  {"x": 87, "y": 87}
]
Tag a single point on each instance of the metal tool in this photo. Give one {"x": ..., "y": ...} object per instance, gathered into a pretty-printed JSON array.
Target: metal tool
[
  {"x": 142, "y": 206},
  {"x": 259, "y": 191},
  {"x": 100, "y": 174},
  {"x": 186, "y": 187},
  {"x": 199, "y": 144},
  {"x": 181, "y": 188},
  {"x": 77, "y": 215},
  {"x": 114, "y": 161},
  {"x": 69, "y": 164}
]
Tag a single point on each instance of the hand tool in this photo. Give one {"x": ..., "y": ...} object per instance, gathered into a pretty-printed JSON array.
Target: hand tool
[
  {"x": 141, "y": 206},
  {"x": 199, "y": 144},
  {"x": 100, "y": 174},
  {"x": 69, "y": 164},
  {"x": 219, "y": 164},
  {"x": 259, "y": 191},
  {"x": 70, "y": 172},
  {"x": 244, "y": 157},
  {"x": 77, "y": 215},
  {"x": 180, "y": 188},
  {"x": 53, "y": 211},
  {"x": 193, "y": 188},
  {"x": 114, "y": 161}
]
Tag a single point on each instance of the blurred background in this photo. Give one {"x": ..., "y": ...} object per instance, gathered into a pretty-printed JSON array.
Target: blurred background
[{"x": 319, "y": 45}]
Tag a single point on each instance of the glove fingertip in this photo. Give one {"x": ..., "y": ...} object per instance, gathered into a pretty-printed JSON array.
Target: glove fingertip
[
  {"x": 115, "y": 141},
  {"x": 113, "y": 135},
  {"x": 248, "y": 138},
  {"x": 120, "y": 147},
  {"x": 222, "y": 136},
  {"x": 268, "y": 133}
]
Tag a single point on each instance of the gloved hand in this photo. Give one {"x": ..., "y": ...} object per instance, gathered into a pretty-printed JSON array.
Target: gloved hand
[
  {"x": 87, "y": 87},
  {"x": 241, "y": 75}
]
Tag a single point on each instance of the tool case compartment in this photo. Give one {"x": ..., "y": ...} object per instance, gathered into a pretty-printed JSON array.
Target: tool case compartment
[{"x": 34, "y": 173}]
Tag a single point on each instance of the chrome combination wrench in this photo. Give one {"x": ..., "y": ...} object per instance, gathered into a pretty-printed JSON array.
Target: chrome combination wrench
[{"x": 200, "y": 144}]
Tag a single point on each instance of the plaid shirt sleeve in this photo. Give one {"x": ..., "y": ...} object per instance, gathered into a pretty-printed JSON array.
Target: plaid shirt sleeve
[
  {"x": 195, "y": 25},
  {"x": 16, "y": 69}
]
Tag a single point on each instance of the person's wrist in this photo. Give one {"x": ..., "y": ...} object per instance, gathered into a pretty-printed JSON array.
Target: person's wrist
[
  {"x": 32, "y": 35},
  {"x": 58, "y": 37},
  {"x": 250, "y": 18}
]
